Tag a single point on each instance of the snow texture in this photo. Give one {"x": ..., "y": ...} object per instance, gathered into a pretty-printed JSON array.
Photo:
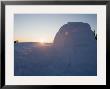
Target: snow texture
[{"x": 73, "y": 53}]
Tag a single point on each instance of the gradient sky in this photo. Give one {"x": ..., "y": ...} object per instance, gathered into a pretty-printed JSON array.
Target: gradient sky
[{"x": 43, "y": 27}]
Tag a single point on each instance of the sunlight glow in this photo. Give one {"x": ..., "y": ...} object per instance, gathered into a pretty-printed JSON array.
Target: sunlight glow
[{"x": 42, "y": 41}]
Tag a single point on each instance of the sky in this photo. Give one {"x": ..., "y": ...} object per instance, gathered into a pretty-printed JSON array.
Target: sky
[{"x": 43, "y": 27}]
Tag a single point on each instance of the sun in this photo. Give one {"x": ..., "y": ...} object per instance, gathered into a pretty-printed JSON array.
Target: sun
[{"x": 42, "y": 41}]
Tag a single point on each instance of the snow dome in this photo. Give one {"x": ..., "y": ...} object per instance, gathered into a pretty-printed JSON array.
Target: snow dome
[
  {"x": 74, "y": 33},
  {"x": 76, "y": 46}
]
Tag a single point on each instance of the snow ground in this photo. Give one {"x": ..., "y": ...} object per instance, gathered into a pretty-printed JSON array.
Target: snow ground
[{"x": 35, "y": 59}]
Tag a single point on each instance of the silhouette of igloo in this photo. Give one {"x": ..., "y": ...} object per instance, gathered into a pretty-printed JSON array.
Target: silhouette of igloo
[
  {"x": 76, "y": 49},
  {"x": 74, "y": 33}
]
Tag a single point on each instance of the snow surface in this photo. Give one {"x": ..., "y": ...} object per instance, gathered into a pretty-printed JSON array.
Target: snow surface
[{"x": 76, "y": 55}]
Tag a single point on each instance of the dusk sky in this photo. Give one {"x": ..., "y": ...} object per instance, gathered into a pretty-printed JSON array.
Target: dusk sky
[{"x": 43, "y": 27}]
